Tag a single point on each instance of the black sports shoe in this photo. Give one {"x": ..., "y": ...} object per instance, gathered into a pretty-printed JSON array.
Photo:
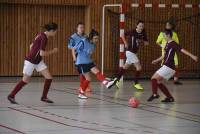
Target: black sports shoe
[
  {"x": 46, "y": 100},
  {"x": 154, "y": 96},
  {"x": 178, "y": 83},
  {"x": 171, "y": 99},
  {"x": 12, "y": 100}
]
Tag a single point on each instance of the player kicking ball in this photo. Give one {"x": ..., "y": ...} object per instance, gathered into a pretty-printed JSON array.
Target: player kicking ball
[
  {"x": 85, "y": 64},
  {"x": 168, "y": 68}
]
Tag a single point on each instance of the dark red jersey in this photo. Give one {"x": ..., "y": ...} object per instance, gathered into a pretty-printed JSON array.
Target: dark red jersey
[
  {"x": 38, "y": 44},
  {"x": 170, "y": 49},
  {"x": 135, "y": 39}
]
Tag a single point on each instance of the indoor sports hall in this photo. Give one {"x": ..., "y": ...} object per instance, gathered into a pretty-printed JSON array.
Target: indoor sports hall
[{"x": 99, "y": 67}]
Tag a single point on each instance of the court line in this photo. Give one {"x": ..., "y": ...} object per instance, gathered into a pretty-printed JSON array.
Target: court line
[
  {"x": 12, "y": 129},
  {"x": 61, "y": 123},
  {"x": 93, "y": 123},
  {"x": 99, "y": 124},
  {"x": 114, "y": 103},
  {"x": 146, "y": 104},
  {"x": 178, "y": 117}
]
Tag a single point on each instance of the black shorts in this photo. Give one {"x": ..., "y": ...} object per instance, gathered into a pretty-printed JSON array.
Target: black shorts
[{"x": 85, "y": 68}]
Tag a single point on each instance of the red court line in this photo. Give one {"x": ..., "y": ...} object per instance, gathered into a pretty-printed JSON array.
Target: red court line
[
  {"x": 14, "y": 130},
  {"x": 64, "y": 124}
]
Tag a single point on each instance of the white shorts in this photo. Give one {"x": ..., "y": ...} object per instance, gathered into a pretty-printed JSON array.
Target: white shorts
[
  {"x": 30, "y": 67},
  {"x": 131, "y": 58},
  {"x": 165, "y": 72}
]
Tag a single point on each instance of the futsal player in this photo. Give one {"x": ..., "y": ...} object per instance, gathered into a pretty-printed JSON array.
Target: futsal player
[
  {"x": 162, "y": 43},
  {"x": 34, "y": 61},
  {"x": 85, "y": 64},
  {"x": 168, "y": 67},
  {"x": 135, "y": 38},
  {"x": 74, "y": 39}
]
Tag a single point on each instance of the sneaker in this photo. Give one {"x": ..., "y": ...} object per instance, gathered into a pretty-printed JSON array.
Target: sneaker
[
  {"x": 12, "y": 100},
  {"x": 46, "y": 100},
  {"x": 109, "y": 84},
  {"x": 154, "y": 96},
  {"x": 178, "y": 83},
  {"x": 118, "y": 83},
  {"x": 82, "y": 96},
  {"x": 138, "y": 86},
  {"x": 166, "y": 100}
]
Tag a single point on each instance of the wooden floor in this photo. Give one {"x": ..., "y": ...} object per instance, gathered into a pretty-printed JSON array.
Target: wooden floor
[{"x": 105, "y": 112}]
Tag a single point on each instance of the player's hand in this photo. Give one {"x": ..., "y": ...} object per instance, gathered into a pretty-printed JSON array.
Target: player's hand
[
  {"x": 195, "y": 58},
  {"x": 126, "y": 46},
  {"x": 55, "y": 50},
  {"x": 154, "y": 62}
]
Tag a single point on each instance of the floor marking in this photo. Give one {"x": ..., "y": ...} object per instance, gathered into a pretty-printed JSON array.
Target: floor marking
[
  {"x": 64, "y": 124},
  {"x": 12, "y": 129}
]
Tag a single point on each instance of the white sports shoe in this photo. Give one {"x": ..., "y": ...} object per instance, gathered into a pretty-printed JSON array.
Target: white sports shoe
[
  {"x": 82, "y": 96},
  {"x": 109, "y": 84}
]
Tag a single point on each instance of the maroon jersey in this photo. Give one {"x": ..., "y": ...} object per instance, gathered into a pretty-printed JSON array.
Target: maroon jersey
[
  {"x": 135, "y": 39},
  {"x": 38, "y": 44},
  {"x": 170, "y": 49}
]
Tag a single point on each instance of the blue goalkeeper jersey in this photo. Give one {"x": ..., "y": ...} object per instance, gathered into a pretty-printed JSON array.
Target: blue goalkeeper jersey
[
  {"x": 84, "y": 50},
  {"x": 75, "y": 39}
]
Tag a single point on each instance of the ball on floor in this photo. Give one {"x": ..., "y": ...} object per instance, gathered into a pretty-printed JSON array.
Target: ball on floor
[{"x": 133, "y": 102}]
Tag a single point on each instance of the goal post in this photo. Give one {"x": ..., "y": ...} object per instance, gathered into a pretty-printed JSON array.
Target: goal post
[{"x": 122, "y": 20}]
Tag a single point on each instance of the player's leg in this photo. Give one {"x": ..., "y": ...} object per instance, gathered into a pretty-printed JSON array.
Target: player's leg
[
  {"x": 128, "y": 63},
  {"x": 101, "y": 77},
  {"x": 163, "y": 73},
  {"x": 27, "y": 72},
  {"x": 137, "y": 75},
  {"x": 84, "y": 85},
  {"x": 122, "y": 70},
  {"x": 176, "y": 76},
  {"x": 42, "y": 68}
]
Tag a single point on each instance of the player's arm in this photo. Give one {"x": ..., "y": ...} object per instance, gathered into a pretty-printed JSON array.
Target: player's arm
[
  {"x": 195, "y": 58},
  {"x": 157, "y": 60},
  {"x": 74, "y": 54},
  {"x": 145, "y": 40},
  {"x": 30, "y": 46},
  {"x": 176, "y": 39},
  {"x": 159, "y": 39},
  {"x": 47, "y": 53},
  {"x": 44, "y": 52},
  {"x": 71, "y": 43},
  {"x": 125, "y": 41}
]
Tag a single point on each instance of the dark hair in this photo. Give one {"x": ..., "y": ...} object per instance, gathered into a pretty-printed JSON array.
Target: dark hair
[
  {"x": 140, "y": 21},
  {"x": 92, "y": 34},
  {"x": 80, "y": 23},
  {"x": 50, "y": 26},
  {"x": 172, "y": 23},
  {"x": 168, "y": 32}
]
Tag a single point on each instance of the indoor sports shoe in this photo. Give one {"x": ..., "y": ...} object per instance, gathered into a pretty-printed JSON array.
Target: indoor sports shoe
[
  {"x": 110, "y": 84},
  {"x": 82, "y": 96},
  {"x": 154, "y": 96},
  {"x": 138, "y": 86},
  {"x": 166, "y": 100},
  {"x": 46, "y": 100},
  {"x": 12, "y": 100},
  {"x": 178, "y": 83},
  {"x": 118, "y": 83}
]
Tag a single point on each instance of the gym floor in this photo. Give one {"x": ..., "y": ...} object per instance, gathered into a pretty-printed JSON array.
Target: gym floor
[{"x": 106, "y": 111}]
